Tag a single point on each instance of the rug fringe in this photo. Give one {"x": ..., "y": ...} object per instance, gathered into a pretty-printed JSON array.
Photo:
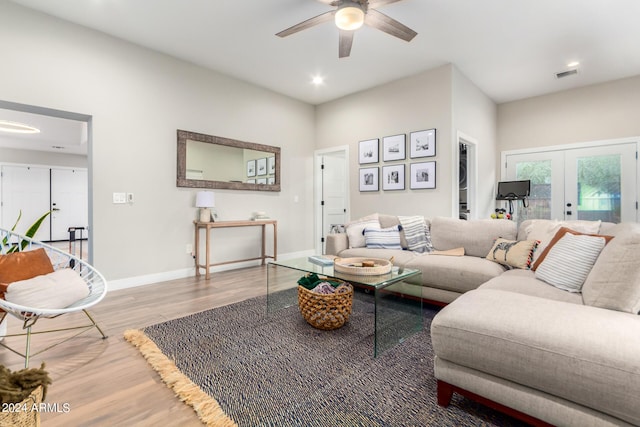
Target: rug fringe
[{"x": 205, "y": 406}]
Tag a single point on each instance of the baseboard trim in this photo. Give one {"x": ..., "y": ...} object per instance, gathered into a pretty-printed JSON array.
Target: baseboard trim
[{"x": 148, "y": 279}]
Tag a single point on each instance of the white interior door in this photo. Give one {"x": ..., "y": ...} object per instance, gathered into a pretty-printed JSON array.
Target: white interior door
[
  {"x": 589, "y": 183},
  {"x": 334, "y": 192},
  {"x": 69, "y": 202},
  {"x": 26, "y": 189}
]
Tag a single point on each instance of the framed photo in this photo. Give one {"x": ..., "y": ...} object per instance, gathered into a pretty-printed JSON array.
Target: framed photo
[
  {"x": 423, "y": 143},
  {"x": 393, "y": 148},
  {"x": 393, "y": 177},
  {"x": 271, "y": 180},
  {"x": 369, "y": 180},
  {"x": 368, "y": 151},
  {"x": 261, "y": 166},
  {"x": 271, "y": 165},
  {"x": 251, "y": 168},
  {"x": 251, "y": 181},
  {"x": 261, "y": 181},
  {"x": 423, "y": 175}
]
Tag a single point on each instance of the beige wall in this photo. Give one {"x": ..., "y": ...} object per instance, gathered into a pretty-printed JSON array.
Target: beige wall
[
  {"x": 29, "y": 157},
  {"x": 474, "y": 114},
  {"x": 593, "y": 113},
  {"x": 137, "y": 99},
  {"x": 416, "y": 103}
]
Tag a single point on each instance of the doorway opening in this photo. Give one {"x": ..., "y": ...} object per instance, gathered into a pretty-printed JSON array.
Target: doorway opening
[
  {"x": 48, "y": 171},
  {"x": 332, "y": 193},
  {"x": 465, "y": 160}
]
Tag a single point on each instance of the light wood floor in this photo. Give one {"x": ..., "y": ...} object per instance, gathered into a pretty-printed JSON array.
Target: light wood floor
[{"x": 107, "y": 382}]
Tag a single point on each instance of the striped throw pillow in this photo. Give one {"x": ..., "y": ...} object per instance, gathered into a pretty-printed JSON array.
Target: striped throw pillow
[
  {"x": 382, "y": 238},
  {"x": 570, "y": 260}
]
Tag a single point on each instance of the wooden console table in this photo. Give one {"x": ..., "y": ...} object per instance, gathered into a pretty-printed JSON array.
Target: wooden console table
[{"x": 207, "y": 226}]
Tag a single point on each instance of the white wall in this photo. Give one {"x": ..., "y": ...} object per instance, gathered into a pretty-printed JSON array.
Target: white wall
[
  {"x": 137, "y": 99},
  {"x": 593, "y": 113},
  {"x": 415, "y": 103},
  {"x": 475, "y": 114}
]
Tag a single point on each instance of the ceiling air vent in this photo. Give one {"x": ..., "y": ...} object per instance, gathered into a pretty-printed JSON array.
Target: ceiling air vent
[{"x": 567, "y": 73}]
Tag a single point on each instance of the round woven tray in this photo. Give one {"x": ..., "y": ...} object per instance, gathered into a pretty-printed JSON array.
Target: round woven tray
[
  {"x": 325, "y": 311},
  {"x": 352, "y": 266}
]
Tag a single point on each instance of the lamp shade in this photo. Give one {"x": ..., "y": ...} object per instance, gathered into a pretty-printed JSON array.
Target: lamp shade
[
  {"x": 205, "y": 199},
  {"x": 349, "y": 17}
]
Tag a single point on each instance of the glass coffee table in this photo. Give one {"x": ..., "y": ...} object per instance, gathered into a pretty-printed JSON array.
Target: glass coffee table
[{"x": 398, "y": 314}]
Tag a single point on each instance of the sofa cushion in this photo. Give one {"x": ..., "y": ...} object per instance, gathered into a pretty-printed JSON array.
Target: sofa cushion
[
  {"x": 614, "y": 281},
  {"x": 570, "y": 260},
  {"x": 579, "y": 353},
  {"x": 382, "y": 238},
  {"x": 475, "y": 236},
  {"x": 514, "y": 253},
  {"x": 455, "y": 273},
  {"x": 525, "y": 282},
  {"x": 355, "y": 229}
]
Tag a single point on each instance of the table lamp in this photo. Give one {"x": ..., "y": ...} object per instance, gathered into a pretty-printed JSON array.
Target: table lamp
[{"x": 205, "y": 200}]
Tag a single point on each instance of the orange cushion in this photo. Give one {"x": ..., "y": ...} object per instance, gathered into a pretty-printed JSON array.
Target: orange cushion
[
  {"x": 22, "y": 266},
  {"x": 559, "y": 235}
]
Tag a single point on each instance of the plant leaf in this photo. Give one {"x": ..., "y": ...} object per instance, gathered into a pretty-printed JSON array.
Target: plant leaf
[{"x": 33, "y": 229}]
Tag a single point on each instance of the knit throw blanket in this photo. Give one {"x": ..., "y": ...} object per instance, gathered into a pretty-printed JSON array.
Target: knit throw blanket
[{"x": 416, "y": 233}]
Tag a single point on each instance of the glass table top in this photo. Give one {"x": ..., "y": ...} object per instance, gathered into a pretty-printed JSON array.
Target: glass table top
[{"x": 375, "y": 281}]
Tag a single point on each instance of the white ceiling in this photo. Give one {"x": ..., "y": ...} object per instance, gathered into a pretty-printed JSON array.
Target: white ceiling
[{"x": 511, "y": 49}]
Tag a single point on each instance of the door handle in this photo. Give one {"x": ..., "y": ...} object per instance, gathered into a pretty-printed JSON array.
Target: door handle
[{"x": 55, "y": 209}]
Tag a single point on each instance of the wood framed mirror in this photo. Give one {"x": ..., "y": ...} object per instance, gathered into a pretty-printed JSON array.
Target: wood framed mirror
[{"x": 207, "y": 161}]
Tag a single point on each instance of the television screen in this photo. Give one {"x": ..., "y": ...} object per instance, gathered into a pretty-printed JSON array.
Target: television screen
[{"x": 513, "y": 190}]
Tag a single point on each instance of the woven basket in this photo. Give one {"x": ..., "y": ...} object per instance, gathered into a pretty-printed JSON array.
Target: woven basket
[
  {"x": 22, "y": 415},
  {"x": 325, "y": 311}
]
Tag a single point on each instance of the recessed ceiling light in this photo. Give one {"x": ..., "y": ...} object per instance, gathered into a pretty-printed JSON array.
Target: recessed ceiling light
[
  {"x": 573, "y": 64},
  {"x": 317, "y": 80},
  {"x": 15, "y": 127}
]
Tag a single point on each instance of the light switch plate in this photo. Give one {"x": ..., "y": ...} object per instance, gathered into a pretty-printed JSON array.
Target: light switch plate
[{"x": 119, "y": 198}]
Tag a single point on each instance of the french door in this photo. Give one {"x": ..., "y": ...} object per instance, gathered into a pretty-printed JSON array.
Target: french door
[{"x": 586, "y": 183}]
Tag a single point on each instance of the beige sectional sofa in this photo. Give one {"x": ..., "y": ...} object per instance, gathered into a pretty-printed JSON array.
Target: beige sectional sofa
[
  {"x": 521, "y": 345},
  {"x": 444, "y": 277}
]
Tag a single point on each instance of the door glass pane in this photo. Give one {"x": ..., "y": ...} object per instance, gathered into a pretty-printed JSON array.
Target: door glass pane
[
  {"x": 539, "y": 201},
  {"x": 599, "y": 188}
]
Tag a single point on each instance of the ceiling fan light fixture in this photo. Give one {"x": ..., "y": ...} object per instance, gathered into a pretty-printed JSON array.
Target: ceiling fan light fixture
[
  {"x": 350, "y": 16},
  {"x": 15, "y": 127}
]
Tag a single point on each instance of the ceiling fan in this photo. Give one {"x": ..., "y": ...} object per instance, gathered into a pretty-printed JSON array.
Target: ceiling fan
[{"x": 351, "y": 15}]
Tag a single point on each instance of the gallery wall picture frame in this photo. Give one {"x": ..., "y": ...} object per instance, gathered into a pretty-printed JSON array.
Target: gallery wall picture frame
[
  {"x": 271, "y": 180},
  {"x": 251, "y": 181},
  {"x": 271, "y": 165},
  {"x": 261, "y": 166},
  {"x": 422, "y": 143},
  {"x": 369, "y": 179},
  {"x": 393, "y": 177},
  {"x": 368, "y": 151},
  {"x": 251, "y": 168},
  {"x": 261, "y": 181},
  {"x": 423, "y": 175},
  {"x": 394, "y": 148}
]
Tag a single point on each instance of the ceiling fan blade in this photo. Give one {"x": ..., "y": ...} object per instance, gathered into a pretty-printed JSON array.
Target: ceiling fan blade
[
  {"x": 374, "y": 4},
  {"x": 346, "y": 40},
  {"x": 316, "y": 20},
  {"x": 382, "y": 22}
]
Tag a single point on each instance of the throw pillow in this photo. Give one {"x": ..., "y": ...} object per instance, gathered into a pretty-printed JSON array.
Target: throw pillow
[
  {"x": 559, "y": 235},
  {"x": 569, "y": 261},
  {"x": 383, "y": 238},
  {"x": 514, "y": 253},
  {"x": 416, "y": 233},
  {"x": 544, "y": 230},
  {"x": 24, "y": 265},
  {"x": 355, "y": 229},
  {"x": 614, "y": 281},
  {"x": 53, "y": 291}
]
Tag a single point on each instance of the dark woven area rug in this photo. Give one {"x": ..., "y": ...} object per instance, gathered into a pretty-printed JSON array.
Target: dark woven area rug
[{"x": 276, "y": 370}]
